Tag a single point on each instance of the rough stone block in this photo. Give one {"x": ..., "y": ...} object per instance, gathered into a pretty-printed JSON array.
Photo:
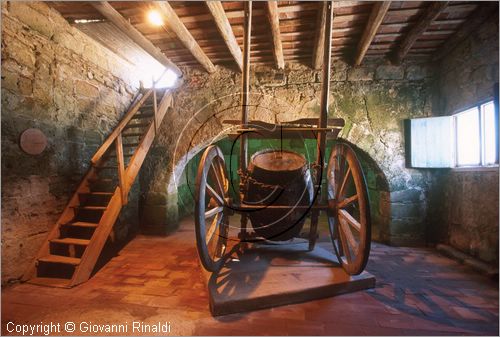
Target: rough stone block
[
  {"x": 154, "y": 215},
  {"x": 93, "y": 137},
  {"x": 406, "y": 226},
  {"x": 412, "y": 210},
  {"x": 155, "y": 198},
  {"x": 416, "y": 72},
  {"x": 25, "y": 86},
  {"x": 300, "y": 77},
  {"x": 389, "y": 72},
  {"x": 33, "y": 18},
  {"x": 270, "y": 78},
  {"x": 338, "y": 71},
  {"x": 406, "y": 196},
  {"x": 9, "y": 81},
  {"x": 83, "y": 88},
  {"x": 21, "y": 53},
  {"x": 360, "y": 74}
]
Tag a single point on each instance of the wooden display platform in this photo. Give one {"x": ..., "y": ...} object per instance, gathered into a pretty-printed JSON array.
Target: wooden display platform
[{"x": 267, "y": 276}]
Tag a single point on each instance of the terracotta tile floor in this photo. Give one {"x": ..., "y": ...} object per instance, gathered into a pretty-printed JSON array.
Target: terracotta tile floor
[{"x": 156, "y": 279}]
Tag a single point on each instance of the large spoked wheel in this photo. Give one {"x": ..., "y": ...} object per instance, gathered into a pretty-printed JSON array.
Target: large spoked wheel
[
  {"x": 348, "y": 209},
  {"x": 212, "y": 226}
]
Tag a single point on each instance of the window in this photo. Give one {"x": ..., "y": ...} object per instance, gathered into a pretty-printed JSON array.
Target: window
[
  {"x": 467, "y": 139},
  {"x": 476, "y": 136}
]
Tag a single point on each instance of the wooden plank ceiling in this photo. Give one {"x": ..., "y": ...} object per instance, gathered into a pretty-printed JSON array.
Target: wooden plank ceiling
[{"x": 361, "y": 29}]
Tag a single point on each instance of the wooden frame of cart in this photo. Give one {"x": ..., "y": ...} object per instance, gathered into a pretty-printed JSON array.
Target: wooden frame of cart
[{"x": 346, "y": 202}]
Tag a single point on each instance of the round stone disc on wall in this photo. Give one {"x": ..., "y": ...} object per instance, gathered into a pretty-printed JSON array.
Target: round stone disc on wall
[{"x": 33, "y": 141}]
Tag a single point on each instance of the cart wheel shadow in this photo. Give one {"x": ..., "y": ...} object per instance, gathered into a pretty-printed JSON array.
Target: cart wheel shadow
[{"x": 244, "y": 271}]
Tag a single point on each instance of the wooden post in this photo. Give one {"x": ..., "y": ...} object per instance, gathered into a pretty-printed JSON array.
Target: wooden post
[
  {"x": 246, "y": 84},
  {"x": 495, "y": 96},
  {"x": 320, "y": 36},
  {"x": 121, "y": 169},
  {"x": 155, "y": 107},
  {"x": 244, "y": 109},
  {"x": 323, "y": 119},
  {"x": 325, "y": 87}
]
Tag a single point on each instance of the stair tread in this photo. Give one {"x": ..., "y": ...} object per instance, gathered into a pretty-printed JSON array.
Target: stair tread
[
  {"x": 60, "y": 259},
  {"x": 102, "y": 180},
  {"x": 97, "y": 193},
  {"x": 51, "y": 282},
  {"x": 72, "y": 241},
  {"x": 134, "y": 134},
  {"x": 94, "y": 208},
  {"x": 83, "y": 224},
  {"x": 143, "y": 115},
  {"x": 136, "y": 125}
]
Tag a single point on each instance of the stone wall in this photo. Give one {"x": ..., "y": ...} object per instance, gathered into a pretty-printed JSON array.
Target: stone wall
[
  {"x": 60, "y": 81},
  {"x": 373, "y": 99},
  {"x": 469, "y": 199}
]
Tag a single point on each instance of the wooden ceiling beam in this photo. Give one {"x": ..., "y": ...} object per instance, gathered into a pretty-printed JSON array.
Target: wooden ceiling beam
[
  {"x": 430, "y": 14},
  {"x": 483, "y": 12},
  {"x": 175, "y": 24},
  {"x": 119, "y": 21},
  {"x": 274, "y": 21},
  {"x": 376, "y": 17},
  {"x": 224, "y": 27}
]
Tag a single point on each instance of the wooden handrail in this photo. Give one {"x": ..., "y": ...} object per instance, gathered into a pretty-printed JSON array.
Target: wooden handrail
[
  {"x": 128, "y": 116},
  {"x": 119, "y": 128},
  {"x": 121, "y": 169}
]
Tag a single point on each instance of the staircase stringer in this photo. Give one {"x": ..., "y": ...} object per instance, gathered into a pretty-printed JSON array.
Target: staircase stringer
[
  {"x": 66, "y": 216},
  {"x": 101, "y": 234},
  {"x": 109, "y": 217}
]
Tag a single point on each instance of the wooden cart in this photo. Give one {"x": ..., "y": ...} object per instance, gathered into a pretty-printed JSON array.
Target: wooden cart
[{"x": 271, "y": 187}]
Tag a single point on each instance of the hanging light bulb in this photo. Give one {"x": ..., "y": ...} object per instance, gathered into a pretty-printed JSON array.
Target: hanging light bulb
[{"x": 155, "y": 18}]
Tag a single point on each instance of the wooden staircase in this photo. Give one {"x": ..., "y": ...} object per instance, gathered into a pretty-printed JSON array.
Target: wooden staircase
[{"x": 70, "y": 252}]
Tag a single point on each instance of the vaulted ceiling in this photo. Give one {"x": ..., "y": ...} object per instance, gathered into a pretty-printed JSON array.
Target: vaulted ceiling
[{"x": 198, "y": 33}]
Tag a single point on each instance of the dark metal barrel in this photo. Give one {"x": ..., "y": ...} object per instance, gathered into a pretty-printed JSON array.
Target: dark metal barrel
[{"x": 278, "y": 178}]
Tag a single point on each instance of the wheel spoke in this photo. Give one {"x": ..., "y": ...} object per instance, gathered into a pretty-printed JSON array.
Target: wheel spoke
[
  {"x": 350, "y": 219},
  {"x": 212, "y": 229},
  {"x": 348, "y": 234},
  {"x": 346, "y": 202},
  {"x": 214, "y": 195},
  {"x": 222, "y": 176},
  {"x": 213, "y": 211},
  {"x": 343, "y": 242},
  {"x": 215, "y": 177},
  {"x": 344, "y": 182}
]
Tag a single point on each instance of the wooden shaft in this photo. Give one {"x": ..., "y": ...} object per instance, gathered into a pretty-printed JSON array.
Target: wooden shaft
[
  {"x": 245, "y": 84},
  {"x": 325, "y": 89},
  {"x": 495, "y": 95},
  {"x": 320, "y": 37},
  {"x": 155, "y": 108},
  {"x": 246, "y": 207},
  {"x": 121, "y": 170}
]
